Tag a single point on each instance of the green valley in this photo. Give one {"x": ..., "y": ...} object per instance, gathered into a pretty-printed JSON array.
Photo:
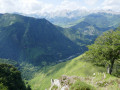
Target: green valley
[
  {"x": 84, "y": 56},
  {"x": 59, "y": 44}
]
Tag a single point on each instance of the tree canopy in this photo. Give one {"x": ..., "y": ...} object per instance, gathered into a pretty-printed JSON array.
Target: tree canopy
[
  {"x": 10, "y": 78},
  {"x": 106, "y": 49}
]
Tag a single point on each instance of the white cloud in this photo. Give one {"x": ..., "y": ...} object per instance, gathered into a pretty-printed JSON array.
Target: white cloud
[
  {"x": 40, "y": 7},
  {"x": 69, "y": 5},
  {"x": 111, "y": 4},
  {"x": 90, "y": 2},
  {"x": 37, "y": 6},
  {"x": 23, "y": 6}
]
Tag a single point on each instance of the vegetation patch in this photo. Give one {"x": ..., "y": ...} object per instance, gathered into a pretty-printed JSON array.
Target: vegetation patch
[
  {"x": 10, "y": 78},
  {"x": 78, "y": 85},
  {"x": 54, "y": 87}
]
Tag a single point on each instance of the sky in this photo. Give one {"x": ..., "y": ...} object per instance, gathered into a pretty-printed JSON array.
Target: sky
[{"x": 47, "y": 6}]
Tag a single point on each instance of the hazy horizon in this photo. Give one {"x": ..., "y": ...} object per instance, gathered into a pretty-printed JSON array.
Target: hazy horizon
[{"x": 49, "y": 6}]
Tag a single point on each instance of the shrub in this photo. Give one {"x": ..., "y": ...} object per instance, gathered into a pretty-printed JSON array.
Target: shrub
[
  {"x": 2, "y": 87},
  {"x": 10, "y": 78},
  {"x": 54, "y": 87},
  {"x": 78, "y": 85}
]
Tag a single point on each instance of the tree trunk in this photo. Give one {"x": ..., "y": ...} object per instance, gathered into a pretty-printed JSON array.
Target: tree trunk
[
  {"x": 108, "y": 69},
  {"x": 111, "y": 67}
]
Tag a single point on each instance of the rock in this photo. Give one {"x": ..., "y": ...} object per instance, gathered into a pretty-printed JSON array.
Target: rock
[
  {"x": 104, "y": 75},
  {"x": 55, "y": 82},
  {"x": 65, "y": 87},
  {"x": 94, "y": 74}
]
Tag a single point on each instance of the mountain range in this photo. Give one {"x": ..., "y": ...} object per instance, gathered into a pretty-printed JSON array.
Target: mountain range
[
  {"x": 33, "y": 40},
  {"x": 68, "y": 17},
  {"x": 42, "y": 49},
  {"x": 40, "y": 42}
]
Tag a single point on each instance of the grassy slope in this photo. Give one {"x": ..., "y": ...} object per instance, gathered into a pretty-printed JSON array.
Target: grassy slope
[
  {"x": 75, "y": 67},
  {"x": 69, "y": 24}
]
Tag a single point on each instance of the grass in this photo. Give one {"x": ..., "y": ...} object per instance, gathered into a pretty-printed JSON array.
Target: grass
[
  {"x": 79, "y": 68},
  {"x": 70, "y": 24},
  {"x": 74, "y": 67},
  {"x": 54, "y": 87},
  {"x": 78, "y": 85}
]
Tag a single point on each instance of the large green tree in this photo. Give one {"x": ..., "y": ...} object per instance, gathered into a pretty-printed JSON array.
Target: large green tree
[
  {"x": 106, "y": 49},
  {"x": 10, "y": 78}
]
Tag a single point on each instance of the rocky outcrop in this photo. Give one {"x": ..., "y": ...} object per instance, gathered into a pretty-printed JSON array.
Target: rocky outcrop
[
  {"x": 65, "y": 82},
  {"x": 55, "y": 84}
]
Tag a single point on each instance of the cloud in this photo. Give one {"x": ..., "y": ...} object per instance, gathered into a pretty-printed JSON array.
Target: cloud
[
  {"x": 23, "y": 6},
  {"x": 69, "y": 5},
  {"x": 41, "y": 7},
  {"x": 37, "y": 6},
  {"x": 111, "y": 4},
  {"x": 90, "y": 2}
]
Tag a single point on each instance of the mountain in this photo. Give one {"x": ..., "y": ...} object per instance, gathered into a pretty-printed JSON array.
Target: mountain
[
  {"x": 99, "y": 18},
  {"x": 63, "y": 13},
  {"x": 88, "y": 28},
  {"x": 37, "y": 46},
  {"x": 103, "y": 20},
  {"x": 65, "y": 21},
  {"x": 40, "y": 42},
  {"x": 67, "y": 18},
  {"x": 61, "y": 17},
  {"x": 33, "y": 40}
]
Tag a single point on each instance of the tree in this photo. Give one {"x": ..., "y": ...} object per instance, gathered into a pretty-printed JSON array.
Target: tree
[
  {"x": 29, "y": 87},
  {"x": 2, "y": 87},
  {"x": 106, "y": 49},
  {"x": 10, "y": 78}
]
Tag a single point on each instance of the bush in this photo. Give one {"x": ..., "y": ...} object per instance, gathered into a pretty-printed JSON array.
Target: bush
[
  {"x": 2, "y": 87},
  {"x": 78, "y": 85},
  {"x": 54, "y": 87},
  {"x": 10, "y": 78}
]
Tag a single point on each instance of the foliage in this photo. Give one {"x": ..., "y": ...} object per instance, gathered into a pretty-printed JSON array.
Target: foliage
[
  {"x": 29, "y": 87},
  {"x": 10, "y": 78},
  {"x": 54, "y": 87},
  {"x": 11, "y": 62},
  {"x": 106, "y": 49},
  {"x": 78, "y": 85},
  {"x": 2, "y": 87},
  {"x": 27, "y": 70}
]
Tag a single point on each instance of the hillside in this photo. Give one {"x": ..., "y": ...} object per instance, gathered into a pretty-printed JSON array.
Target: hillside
[
  {"x": 98, "y": 67},
  {"x": 100, "y": 19},
  {"x": 39, "y": 42},
  {"x": 75, "y": 67},
  {"x": 59, "y": 44},
  {"x": 27, "y": 70},
  {"x": 37, "y": 46},
  {"x": 90, "y": 27},
  {"x": 36, "y": 41}
]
